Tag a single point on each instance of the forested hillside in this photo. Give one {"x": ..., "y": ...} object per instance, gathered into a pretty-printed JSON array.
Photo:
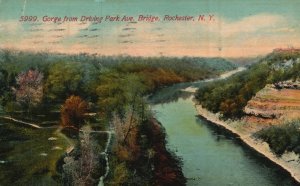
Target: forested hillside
[
  {"x": 89, "y": 93},
  {"x": 264, "y": 99},
  {"x": 230, "y": 96},
  {"x": 64, "y": 75}
]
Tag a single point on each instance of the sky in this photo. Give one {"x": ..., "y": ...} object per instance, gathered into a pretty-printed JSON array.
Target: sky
[{"x": 238, "y": 28}]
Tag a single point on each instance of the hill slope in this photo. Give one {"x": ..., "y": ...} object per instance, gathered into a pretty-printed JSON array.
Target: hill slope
[{"x": 230, "y": 96}]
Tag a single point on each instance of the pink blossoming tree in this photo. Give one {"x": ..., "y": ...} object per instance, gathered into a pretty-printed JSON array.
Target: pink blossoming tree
[{"x": 30, "y": 88}]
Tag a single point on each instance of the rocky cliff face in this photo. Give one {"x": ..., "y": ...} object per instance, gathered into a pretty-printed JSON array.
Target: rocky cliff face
[{"x": 274, "y": 104}]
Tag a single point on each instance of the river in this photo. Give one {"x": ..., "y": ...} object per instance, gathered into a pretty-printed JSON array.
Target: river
[{"x": 210, "y": 155}]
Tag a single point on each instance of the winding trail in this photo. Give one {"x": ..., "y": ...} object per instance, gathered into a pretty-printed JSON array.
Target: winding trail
[
  {"x": 21, "y": 122},
  {"x": 109, "y": 132},
  {"x": 71, "y": 143},
  {"x": 101, "y": 182}
]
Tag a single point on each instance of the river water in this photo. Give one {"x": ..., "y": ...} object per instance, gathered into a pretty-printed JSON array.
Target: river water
[{"x": 210, "y": 156}]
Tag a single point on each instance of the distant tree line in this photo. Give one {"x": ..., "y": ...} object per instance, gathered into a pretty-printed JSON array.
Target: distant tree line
[
  {"x": 97, "y": 79},
  {"x": 231, "y": 95}
]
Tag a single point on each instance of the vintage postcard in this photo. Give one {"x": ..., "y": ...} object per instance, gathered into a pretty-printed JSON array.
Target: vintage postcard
[{"x": 161, "y": 92}]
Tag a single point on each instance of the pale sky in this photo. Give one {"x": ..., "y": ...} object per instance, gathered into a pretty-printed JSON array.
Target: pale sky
[{"x": 238, "y": 28}]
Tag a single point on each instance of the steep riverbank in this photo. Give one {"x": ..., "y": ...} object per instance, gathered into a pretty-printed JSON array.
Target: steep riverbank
[
  {"x": 290, "y": 165},
  {"x": 207, "y": 153},
  {"x": 151, "y": 164},
  {"x": 167, "y": 167},
  {"x": 273, "y": 106}
]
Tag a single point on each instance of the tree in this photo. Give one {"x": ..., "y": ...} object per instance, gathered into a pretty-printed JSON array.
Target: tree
[
  {"x": 126, "y": 129},
  {"x": 136, "y": 106},
  {"x": 3, "y": 85},
  {"x": 64, "y": 79},
  {"x": 119, "y": 92},
  {"x": 111, "y": 95},
  {"x": 29, "y": 91},
  {"x": 121, "y": 98},
  {"x": 73, "y": 112}
]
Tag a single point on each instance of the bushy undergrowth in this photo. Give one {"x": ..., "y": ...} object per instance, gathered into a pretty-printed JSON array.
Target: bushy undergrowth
[
  {"x": 282, "y": 138},
  {"x": 152, "y": 164}
]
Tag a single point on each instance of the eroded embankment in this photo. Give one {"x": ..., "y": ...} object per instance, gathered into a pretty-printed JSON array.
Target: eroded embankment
[
  {"x": 288, "y": 161},
  {"x": 167, "y": 166},
  {"x": 151, "y": 163},
  {"x": 272, "y": 106}
]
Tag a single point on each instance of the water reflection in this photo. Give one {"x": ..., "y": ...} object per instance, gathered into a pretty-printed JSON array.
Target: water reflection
[
  {"x": 173, "y": 93},
  {"x": 210, "y": 155}
]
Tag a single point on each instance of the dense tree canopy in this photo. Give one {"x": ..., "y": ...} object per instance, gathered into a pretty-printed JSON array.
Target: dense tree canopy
[
  {"x": 63, "y": 79},
  {"x": 109, "y": 81},
  {"x": 230, "y": 96}
]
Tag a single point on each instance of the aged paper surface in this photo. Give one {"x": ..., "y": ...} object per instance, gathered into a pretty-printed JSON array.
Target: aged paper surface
[{"x": 102, "y": 92}]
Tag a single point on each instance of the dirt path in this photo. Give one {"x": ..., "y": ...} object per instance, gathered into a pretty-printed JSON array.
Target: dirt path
[{"x": 21, "y": 122}]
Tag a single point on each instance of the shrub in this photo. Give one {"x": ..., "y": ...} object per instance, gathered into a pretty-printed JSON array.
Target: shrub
[
  {"x": 282, "y": 138},
  {"x": 73, "y": 112}
]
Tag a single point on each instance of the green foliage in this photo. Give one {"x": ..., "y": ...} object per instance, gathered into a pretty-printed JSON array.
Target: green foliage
[
  {"x": 285, "y": 54},
  {"x": 162, "y": 71},
  {"x": 119, "y": 85},
  {"x": 282, "y": 138},
  {"x": 117, "y": 92},
  {"x": 81, "y": 74},
  {"x": 120, "y": 174},
  {"x": 230, "y": 96},
  {"x": 6, "y": 82},
  {"x": 64, "y": 79},
  {"x": 3, "y": 81}
]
